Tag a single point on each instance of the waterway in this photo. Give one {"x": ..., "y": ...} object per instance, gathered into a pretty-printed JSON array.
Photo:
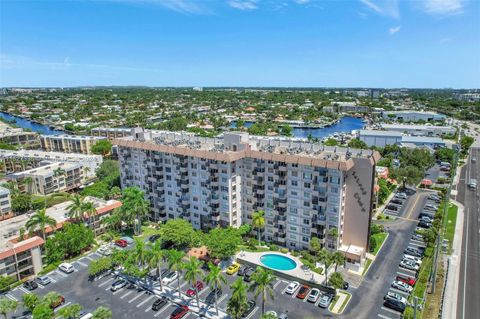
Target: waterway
[
  {"x": 346, "y": 125},
  {"x": 27, "y": 124}
]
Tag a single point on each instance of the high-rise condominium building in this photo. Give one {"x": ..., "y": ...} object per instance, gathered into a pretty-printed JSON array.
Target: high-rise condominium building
[{"x": 306, "y": 190}]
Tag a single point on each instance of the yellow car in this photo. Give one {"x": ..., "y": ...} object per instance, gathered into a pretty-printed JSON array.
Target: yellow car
[{"x": 233, "y": 268}]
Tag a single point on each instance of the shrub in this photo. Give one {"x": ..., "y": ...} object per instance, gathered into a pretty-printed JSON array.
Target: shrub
[
  {"x": 273, "y": 247},
  {"x": 373, "y": 244},
  {"x": 284, "y": 250},
  {"x": 295, "y": 253}
]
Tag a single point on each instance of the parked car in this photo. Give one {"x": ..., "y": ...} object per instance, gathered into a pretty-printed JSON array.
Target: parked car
[
  {"x": 345, "y": 285},
  {"x": 325, "y": 301},
  {"x": 397, "y": 201},
  {"x": 283, "y": 316},
  {"x": 430, "y": 215},
  {"x": 413, "y": 252},
  {"x": 424, "y": 224},
  {"x": 179, "y": 312},
  {"x": 426, "y": 219},
  {"x": 431, "y": 207},
  {"x": 303, "y": 292},
  {"x": 170, "y": 277},
  {"x": 395, "y": 296},
  {"x": 159, "y": 303},
  {"x": 248, "y": 275},
  {"x": 192, "y": 292},
  {"x": 400, "y": 285},
  {"x": 118, "y": 284},
  {"x": 104, "y": 250},
  {"x": 292, "y": 287},
  {"x": 233, "y": 268},
  {"x": 313, "y": 295},
  {"x": 211, "y": 296},
  {"x": 66, "y": 268},
  {"x": 416, "y": 260},
  {"x": 250, "y": 306},
  {"x": 153, "y": 238},
  {"x": 129, "y": 240},
  {"x": 394, "y": 304},
  {"x": 43, "y": 280},
  {"x": 121, "y": 243},
  {"x": 60, "y": 301},
  {"x": 410, "y": 265},
  {"x": 30, "y": 285},
  {"x": 434, "y": 197},
  {"x": 401, "y": 195},
  {"x": 243, "y": 269},
  {"x": 393, "y": 208},
  {"x": 408, "y": 280}
]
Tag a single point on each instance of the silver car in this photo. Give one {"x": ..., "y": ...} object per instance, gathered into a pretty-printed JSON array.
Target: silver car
[
  {"x": 325, "y": 301},
  {"x": 43, "y": 280}
]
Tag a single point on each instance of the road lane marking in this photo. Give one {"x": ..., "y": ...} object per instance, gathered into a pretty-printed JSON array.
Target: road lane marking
[
  {"x": 465, "y": 267},
  {"x": 413, "y": 206},
  {"x": 145, "y": 301},
  {"x": 136, "y": 297}
]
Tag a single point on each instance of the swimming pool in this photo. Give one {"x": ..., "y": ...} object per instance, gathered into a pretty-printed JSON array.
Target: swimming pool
[{"x": 278, "y": 262}]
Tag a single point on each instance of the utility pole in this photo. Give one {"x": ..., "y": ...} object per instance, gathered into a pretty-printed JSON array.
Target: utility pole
[{"x": 415, "y": 305}]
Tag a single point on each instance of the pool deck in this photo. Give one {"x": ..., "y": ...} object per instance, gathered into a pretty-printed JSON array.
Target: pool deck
[{"x": 300, "y": 272}]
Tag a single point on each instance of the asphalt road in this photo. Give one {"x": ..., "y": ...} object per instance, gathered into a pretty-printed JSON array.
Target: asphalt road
[
  {"x": 367, "y": 300},
  {"x": 468, "y": 305}
]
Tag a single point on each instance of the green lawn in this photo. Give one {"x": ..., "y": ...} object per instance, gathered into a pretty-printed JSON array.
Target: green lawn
[
  {"x": 345, "y": 302},
  {"x": 450, "y": 224},
  {"x": 379, "y": 239},
  {"x": 369, "y": 262}
]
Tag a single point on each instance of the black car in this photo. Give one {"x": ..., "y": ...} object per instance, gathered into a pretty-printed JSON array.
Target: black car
[
  {"x": 153, "y": 238},
  {"x": 30, "y": 285},
  {"x": 413, "y": 252},
  {"x": 397, "y": 201},
  {"x": 159, "y": 303},
  {"x": 345, "y": 285},
  {"x": 424, "y": 224},
  {"x": 211, "y": 296},
  {"x": 248, "y": 275},
  {"x": 426, "y": 214},
  {"x": 393, "y": 207},
  {"x": 394, "y": 304},
  {"x": 243, "y": 270},
  {"x": 251, "y": 305}
]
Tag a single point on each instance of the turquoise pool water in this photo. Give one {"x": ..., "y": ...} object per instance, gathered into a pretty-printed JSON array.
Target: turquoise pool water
[{"x": 278, "y": 262}]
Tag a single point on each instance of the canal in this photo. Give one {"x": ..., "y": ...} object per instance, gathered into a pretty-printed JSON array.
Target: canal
[{"x": 27, "y": 124}]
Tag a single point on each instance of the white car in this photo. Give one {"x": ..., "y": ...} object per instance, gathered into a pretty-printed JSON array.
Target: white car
[
  {"x": 170, "y": 277},
  {"x": 409, "y": 264},
  {"x": 66, "y": 268},
  {"x": 400, "y": 285},
  {"x": 292, "y": 287},
  {"x": 313, "y": 295},
  {"x": 395, "y": 296},
  {"x": 104, "y": 250},
  {"x": 416, "y": 260}
]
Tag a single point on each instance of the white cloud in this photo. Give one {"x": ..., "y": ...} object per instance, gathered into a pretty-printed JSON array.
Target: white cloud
[
  {"x": 181, "y": 6},
  {"x": 243, "y": 5},
  {"x": 394, "y": 30},
  {"x": 444, "y": 7},
  {"x": 389, "y": 8}
]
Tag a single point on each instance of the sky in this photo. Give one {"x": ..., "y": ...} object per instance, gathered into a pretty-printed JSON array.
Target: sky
[{"x": 271, "y": 43}]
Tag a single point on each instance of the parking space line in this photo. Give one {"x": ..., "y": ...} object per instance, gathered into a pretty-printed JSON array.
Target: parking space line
[
  {"x": 136, "y": 297},
  {"x": 9, "y": 296},
  {"x": 399, "y": 291},
  {"x": 391, "y": 310},
  {"x": 408, "y": 270},
  {"x": 40, "y": 286},
  {"x": 61, "y": 274},
  {"x": 383, "y": 316},
  {"x": 403, "y": 274},
  {"x": 129, "y": 292},
  {"x": 63, "y": 306},
  {"x": 203, "y": 291},
  {"x": 83, "y": 264},
  {"x": 162, "y": 310},
  {"x": 276, "y": 284},
  {"x": 222, "y": 298},
  {"x": 105, "y": 282},
  {"x": 253, "y": 312},
  {"x": 118, "y": 291},
  {"x": 182, "y": 285},
  {"x": 23, "y": 289},
  {"x": 145, "y": 301},
  {"x": 419, "y": 244}
]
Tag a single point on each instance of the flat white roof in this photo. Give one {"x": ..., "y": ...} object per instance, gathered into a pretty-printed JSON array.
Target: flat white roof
[{"x": 379, "y": 133}]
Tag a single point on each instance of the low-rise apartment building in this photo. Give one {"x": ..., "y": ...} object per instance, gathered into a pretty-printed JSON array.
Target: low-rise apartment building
[
  {"x": 51, "y": 178},
  {"x": 69, "y": 143},
  {"x": 112, "y": 133},
  {"x": 17, "y": 136},
  {"x": 5, "y": 203},
  {"x": 23, "y": 258},
  {"x": 17, "y": 161},
  {"x": 306, "y": 190}
]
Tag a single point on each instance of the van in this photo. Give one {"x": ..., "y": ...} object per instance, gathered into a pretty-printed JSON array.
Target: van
[
  {"x": 87, "y": 316},
  {"x": 472, "y": 184}
]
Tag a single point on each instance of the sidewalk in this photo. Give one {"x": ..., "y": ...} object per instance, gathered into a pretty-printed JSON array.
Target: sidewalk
[{"x": 451, "y": 287}]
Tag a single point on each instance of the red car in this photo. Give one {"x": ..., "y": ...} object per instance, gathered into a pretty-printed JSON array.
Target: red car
[
  {"x": 303, "y": 292},
  {"x": 408, "y": 280},
  {"x": 121, "y": 243},
  {"x": 180, "y": 312},
  {"x": 58, "y": 302},
  {"x": 191, "y": 291}
]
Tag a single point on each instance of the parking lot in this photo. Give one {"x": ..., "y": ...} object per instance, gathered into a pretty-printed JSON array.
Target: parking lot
[{"x": 135, "y": 303}]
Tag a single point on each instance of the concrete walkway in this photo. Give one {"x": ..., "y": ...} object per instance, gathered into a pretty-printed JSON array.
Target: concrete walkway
[
  {"x": 341, "y": 299},
  {"x": 453, "y": 278}
]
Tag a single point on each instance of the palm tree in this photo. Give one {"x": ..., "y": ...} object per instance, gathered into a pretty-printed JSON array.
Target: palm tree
[
  {"x": 28, "y": 181},
  {"x": 140, "y": 252},
  {"x": 30, "y": 301},
  {"x": 7, "y": 306},
  {"x": 237, "y": 305},
  {"x": 71, "y": 311},
  {"x": 338, "y": 258},
  {"x": 333, "y": 233},
  {"x": 262, "y": 283},
  {"x": 51, "y": 298},
  {"x": 134, "y": 204},
  {"x": 113, "y": 222},
  {"x": 325, "y": 257},
  {"x": 156, "y": 259},
  {"x": 102, "y": 313},
  {"x": 192, "y": 273},
  {"x": 258, "y": 222},
  {"x": 75, "y": 209},
  {"x": 39, "y": 221},
  {"x": 175, "y": 263},
  {"x": 89, "y": 209},
  {"x": 215, "y": 279}
]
